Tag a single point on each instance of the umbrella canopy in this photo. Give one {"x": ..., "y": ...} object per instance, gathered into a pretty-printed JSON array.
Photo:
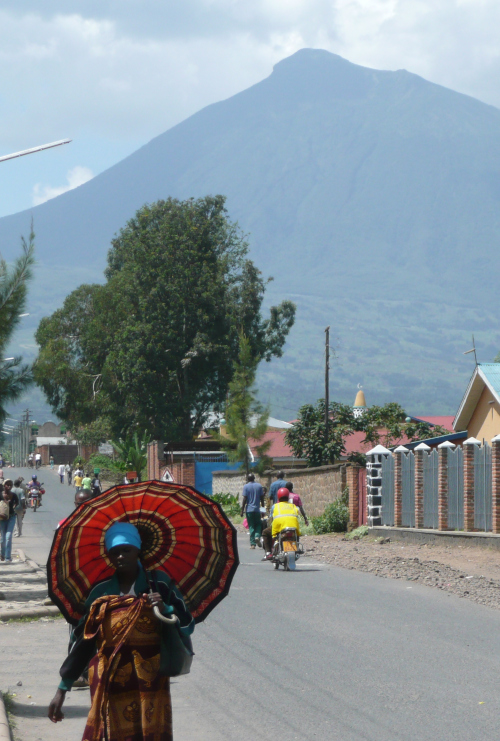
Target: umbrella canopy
[{"x": 184, "y": 533}]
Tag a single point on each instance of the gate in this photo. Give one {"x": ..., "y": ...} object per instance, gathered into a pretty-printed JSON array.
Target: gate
[
  {"x": 455, "y": 465},
  {"x": 387, "y": 509},
  {"x": 205, "y": 465},
  {"x": 408, "y": 490},
  {"x": 431, "y": 518},
  {"x": 483, "y": 514},
  {"x": 362, "y": 506}
]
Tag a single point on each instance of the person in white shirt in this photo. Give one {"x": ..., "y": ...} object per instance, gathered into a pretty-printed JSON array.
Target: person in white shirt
[
  {"x": 60, "y": 471},
  {"x": 38, "y": 460}
]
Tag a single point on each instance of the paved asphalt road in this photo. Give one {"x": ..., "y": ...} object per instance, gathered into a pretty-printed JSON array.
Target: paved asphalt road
[{"x": 327, "y": 653}]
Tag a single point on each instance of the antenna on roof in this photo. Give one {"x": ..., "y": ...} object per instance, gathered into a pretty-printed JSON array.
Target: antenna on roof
[{"x": 473, "y": 350}]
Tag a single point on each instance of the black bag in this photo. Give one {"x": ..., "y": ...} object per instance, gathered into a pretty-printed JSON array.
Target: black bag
[{"x": 176, "y": 649}]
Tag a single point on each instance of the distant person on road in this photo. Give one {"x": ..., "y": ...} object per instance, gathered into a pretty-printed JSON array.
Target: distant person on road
[
  {"x": 69, "y": 473},
  {"x": 61, "y": 471},
  {"x": 96, "y": 485},
  {"x": 38, "y": 460},
  {"x": 284, "y": 514},
  {"x": 51, "y": 461},
  {"x": 8, "y": 523},
  {"x": 30, "y": 460},
  {"x": 77, "y": 480},
  {"x": 253, "y": 500},
  {"x": 20, "y": 493},
  {"x": 295, "y": 499},
  {"x": 87, "y": 483},
  {"x": 278, "y": 484}
]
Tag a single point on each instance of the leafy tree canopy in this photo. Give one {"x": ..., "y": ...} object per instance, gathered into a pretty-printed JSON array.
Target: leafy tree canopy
[
  {"x": 384, "y": 425},
  {"x": 153, "y": 348}
]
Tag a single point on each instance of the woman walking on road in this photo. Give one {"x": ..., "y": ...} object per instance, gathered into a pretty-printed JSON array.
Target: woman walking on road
[
  {"x": 9, "y": 503},
  {"x": 122, "y": 638}
]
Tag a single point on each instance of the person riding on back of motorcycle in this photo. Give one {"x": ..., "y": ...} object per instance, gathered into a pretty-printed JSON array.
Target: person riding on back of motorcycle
[{"x": 284, "y": 515}]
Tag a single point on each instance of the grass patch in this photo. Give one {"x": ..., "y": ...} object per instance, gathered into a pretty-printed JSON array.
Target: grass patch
[
  {"x": 8, "y": 701},
  {"x": 360, "y": 532}
]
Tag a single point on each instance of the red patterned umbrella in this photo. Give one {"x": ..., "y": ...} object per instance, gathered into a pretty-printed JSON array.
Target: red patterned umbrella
[{"x": 184, "y": 533}]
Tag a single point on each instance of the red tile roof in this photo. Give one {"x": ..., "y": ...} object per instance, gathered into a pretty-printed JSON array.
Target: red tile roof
[{"x": 353, "y": 443}]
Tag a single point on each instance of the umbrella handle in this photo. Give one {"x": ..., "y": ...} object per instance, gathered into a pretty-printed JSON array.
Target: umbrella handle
[{"x": 164, "y": 618}]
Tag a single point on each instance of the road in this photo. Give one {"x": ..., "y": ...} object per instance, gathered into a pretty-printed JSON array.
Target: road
[{"x": 324, "y": 653}]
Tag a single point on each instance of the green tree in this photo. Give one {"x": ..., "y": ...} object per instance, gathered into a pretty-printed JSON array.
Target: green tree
[
  {"x": 384, "y": 425},
  {"x": 153, "y": 348},
  {"x": 15, "y": 376},
  {"x": 246, "y": 420}
]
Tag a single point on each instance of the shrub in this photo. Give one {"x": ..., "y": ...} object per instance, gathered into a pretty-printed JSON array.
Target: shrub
[
  {"x": 335, "y": 517},
  {"x": 229, "y": 502}
]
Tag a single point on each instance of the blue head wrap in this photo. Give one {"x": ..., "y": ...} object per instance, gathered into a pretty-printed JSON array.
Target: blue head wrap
[{"x": 122, "y": 533}]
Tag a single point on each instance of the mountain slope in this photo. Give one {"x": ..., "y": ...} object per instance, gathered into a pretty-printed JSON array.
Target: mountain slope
[{"x": 373, "y": 197}]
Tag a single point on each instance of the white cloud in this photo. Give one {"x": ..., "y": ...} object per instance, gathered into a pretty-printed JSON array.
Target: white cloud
[{"x": 76, "y": 176}]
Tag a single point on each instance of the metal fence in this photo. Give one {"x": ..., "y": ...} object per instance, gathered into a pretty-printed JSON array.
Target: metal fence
[
  {"x": 455, "y": 466},
  {"x": 408, "y": 490},
  {"x": 482, "y": 487},
  {"x": 431, "y": 518},
  {"x": 387, "y": 513}
]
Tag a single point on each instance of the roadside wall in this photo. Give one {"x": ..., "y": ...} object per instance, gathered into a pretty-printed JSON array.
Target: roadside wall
[{"x": 317, "y": 487}]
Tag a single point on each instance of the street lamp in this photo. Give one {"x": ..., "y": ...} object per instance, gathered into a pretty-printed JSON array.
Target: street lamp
[{"x": 34, "y": 149}]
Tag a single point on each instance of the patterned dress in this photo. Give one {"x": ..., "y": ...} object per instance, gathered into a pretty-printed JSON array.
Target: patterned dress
[
  {"x": 130, "y": 698},
  {"x": 121, "y": 641}
]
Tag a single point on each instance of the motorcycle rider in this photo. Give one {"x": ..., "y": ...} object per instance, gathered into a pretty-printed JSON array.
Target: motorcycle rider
[
  {"x": 35, "y": 484},
  {"x": 284, "y": 515}
]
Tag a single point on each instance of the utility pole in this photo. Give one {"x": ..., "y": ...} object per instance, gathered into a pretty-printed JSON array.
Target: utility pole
[{"x": 327, "y": 381}]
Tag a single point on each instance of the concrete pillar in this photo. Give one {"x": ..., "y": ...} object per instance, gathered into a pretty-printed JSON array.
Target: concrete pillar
[
  {"x": 420, "y": 451},
  {"x": 468, "y": 447},
  {"x": 398, "y": 485},
  {"x": 374, "y": 484},
  {"x": 352, "y": 479},
  {"x": 443, "y": 484},
  {"x": 495, "y": 483}
]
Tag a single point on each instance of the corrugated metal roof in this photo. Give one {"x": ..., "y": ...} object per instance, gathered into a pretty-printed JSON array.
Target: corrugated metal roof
[
  {"x": 492, "y": 373},
  {"x": 485, "y": 374}
]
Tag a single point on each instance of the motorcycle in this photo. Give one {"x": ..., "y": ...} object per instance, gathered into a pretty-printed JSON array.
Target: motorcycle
[
  {"x": 287, "y": 549},
  {"x": 35, "y": 496}
]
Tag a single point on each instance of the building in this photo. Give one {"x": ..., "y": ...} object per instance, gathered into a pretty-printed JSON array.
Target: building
[{"x": 479, "y": 410}]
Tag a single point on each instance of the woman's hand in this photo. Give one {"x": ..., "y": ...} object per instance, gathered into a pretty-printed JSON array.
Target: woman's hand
[
  {"x": 156, "y": 600},
  {"x": 55, "y": 714}
]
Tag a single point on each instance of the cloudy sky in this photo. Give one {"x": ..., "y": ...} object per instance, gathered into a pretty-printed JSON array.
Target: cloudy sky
[{"x": 112, "y": 74}]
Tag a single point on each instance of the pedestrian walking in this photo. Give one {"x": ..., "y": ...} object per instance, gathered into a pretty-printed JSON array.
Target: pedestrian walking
[
  {"x": 69, "y": 473},
  {"x": 253, "y": 500},
  {"x": 51, "y": 461},
  {"x": 87, "y": 483},
  {"x": 20, "y": 493},
  {"x": 77, "y": 480},
  {"x": 61, "y": 471},
  {"x": 278, "y": 484},
  {"x": 96, "y": 485},
  {"x": 129, "y": 688},
  {"x": 8, "y": 518}
]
